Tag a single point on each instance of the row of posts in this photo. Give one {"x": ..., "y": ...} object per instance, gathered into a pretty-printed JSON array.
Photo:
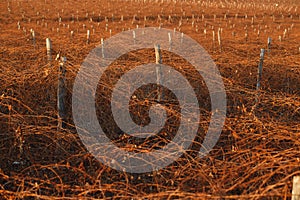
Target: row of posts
[{"x": 61, "y": 91}]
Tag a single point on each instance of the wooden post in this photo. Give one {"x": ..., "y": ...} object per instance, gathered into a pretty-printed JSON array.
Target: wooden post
[
  {"x": 259, "y": 72},
  {"x": 158, "y": 68},
  {"x": 88, "y": 34},
  {"x": 296, "y": 188},
  {"x": 133, "y": 35},
  {"x": 157, "y": 54},
  {"x": 260, "y": 66},
  {"x": 102, "y": 47},
  {"x": 284, "y": 33},
  {"x": 19, "y": 142},
  {"x": 49, "y": 49},
  {"x": 181, "y": 38},
  {"x": 33, "y": 36},
  {"x": 219, "y": 39},
  {"x": 269, "y": 44},
  {"x": 61, "y": 93},
  {"x": 214, "y": 39},
  {"x": 170, "y": 41}
]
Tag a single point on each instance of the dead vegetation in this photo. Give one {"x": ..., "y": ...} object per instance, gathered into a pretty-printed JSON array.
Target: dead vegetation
[{"x": 258, "y": 152}]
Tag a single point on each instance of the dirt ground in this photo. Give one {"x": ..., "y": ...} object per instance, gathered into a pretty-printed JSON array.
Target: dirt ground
[{"x": 258, "y": 153}]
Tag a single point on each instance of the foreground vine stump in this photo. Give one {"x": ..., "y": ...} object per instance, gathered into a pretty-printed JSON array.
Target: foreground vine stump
[{"x": 296, "y": 188}]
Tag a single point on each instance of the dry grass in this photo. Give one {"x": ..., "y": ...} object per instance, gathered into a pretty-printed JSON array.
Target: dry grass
[{"x": 256, "y": 156}]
